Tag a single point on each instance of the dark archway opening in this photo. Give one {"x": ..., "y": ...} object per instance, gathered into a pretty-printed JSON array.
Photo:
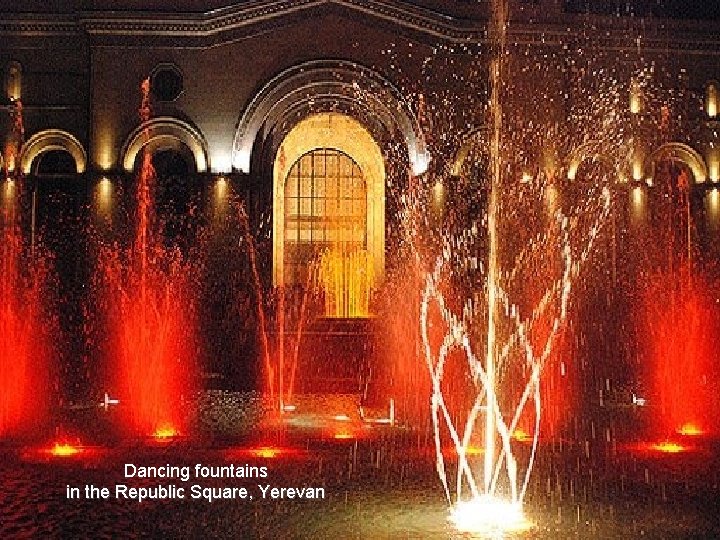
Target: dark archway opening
[{"x": 177, "y": 193}]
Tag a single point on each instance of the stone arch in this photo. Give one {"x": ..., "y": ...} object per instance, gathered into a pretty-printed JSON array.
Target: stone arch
[
  {"x": 676, "y": 151},
  {"x": 52, "y": 139},
  {"x": 166, "y": 133},
  {"x": 344, "y": 133},
  {"x": 327, "y": 85},
  {"x": 584, "y": 152},
  {"x": 468, "y": 142}
]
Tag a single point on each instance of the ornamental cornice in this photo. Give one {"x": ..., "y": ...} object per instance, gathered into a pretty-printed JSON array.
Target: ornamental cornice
[
  {"x": 208, "y": 25},
  {"x": 36, "y": 25},
  {"x": 227, "y": 24}
]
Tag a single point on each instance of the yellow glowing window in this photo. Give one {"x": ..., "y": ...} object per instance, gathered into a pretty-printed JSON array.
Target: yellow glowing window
[{"x": 325, "y": 209}]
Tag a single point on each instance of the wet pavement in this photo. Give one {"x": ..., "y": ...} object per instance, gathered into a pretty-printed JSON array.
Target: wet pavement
[{"x": 377, "y": 484}]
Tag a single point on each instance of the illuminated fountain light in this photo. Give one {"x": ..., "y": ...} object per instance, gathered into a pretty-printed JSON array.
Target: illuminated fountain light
[
  {"x": 64, "y": 450},
  {"x": 165, "y": 433},
  {"x": 61, "y": 449},
  {"x": 520, "y": 435},
  {"x": 504, "y": 472},
  {"x": 668, "y": 447},
  {"x": 489, "y": 515},
  {"x": 661, "y": 449},
  {"x": 690, "y": 430},
  {"x": 266, "y": 452}
]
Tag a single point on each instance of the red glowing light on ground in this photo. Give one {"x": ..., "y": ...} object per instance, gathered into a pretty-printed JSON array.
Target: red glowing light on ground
[
  {"x": 65, "y": 450},
  {"x": 668, "y": 447},
  {"x": 266, "y": 452},
  {"x": 690, "y": 430},
  {"x": 165, "y": 433},
  {"x": 62, "y": 449},
  {"x": 263, "y": 451}
]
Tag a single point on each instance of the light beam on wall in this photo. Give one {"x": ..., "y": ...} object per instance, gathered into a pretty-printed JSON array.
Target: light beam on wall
[{"x": 711, "y": 100}]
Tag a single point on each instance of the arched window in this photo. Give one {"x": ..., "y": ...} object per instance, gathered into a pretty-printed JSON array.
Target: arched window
[
  {"x": 325, "y": 209},
  {"x": 51, "y": 152},
  {"x": 329, "y": 213}
]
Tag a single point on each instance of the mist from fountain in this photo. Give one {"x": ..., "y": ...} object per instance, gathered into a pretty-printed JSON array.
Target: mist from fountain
[
  {"x": 500, "y": 336},
  {"x": 26, "y": 328},
  {"x": 678, "y": 320},
  {"x": 149, "y": 304}
]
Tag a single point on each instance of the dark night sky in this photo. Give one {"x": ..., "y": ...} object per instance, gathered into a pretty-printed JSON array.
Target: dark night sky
[{"x": 684, "y": 9}]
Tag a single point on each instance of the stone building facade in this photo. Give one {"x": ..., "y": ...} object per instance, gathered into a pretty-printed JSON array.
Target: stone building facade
[{"x": 394, "y": 86}]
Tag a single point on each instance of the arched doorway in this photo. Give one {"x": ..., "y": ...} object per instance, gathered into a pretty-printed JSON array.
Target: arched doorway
[
  {"x": 326, "y": 226},
  {"x": 329, "y": 218}
]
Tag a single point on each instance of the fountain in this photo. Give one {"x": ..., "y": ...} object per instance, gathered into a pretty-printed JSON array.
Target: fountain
[
  {"x": 499, "y": 338},
  {"x": 25, "y": 327},
  {"x": 24, "y": 346},
  {"x": 680, "y": 325},
  {"x": 678, "y": 320},
  {"x": 149, "y": 310}
]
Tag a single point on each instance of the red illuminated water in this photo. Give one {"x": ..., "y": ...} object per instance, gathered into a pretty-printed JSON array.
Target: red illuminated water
[
  {"x": 24, "y": 344},
  {"x": 25, "y": 330},
  {"x": 278, "y": 377},
  {"x": 557, "y": 386},
  {"x": 680, "y": 321},
  {"x": 682, "y": 324},
  {"x": 150, "y": 303}
]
